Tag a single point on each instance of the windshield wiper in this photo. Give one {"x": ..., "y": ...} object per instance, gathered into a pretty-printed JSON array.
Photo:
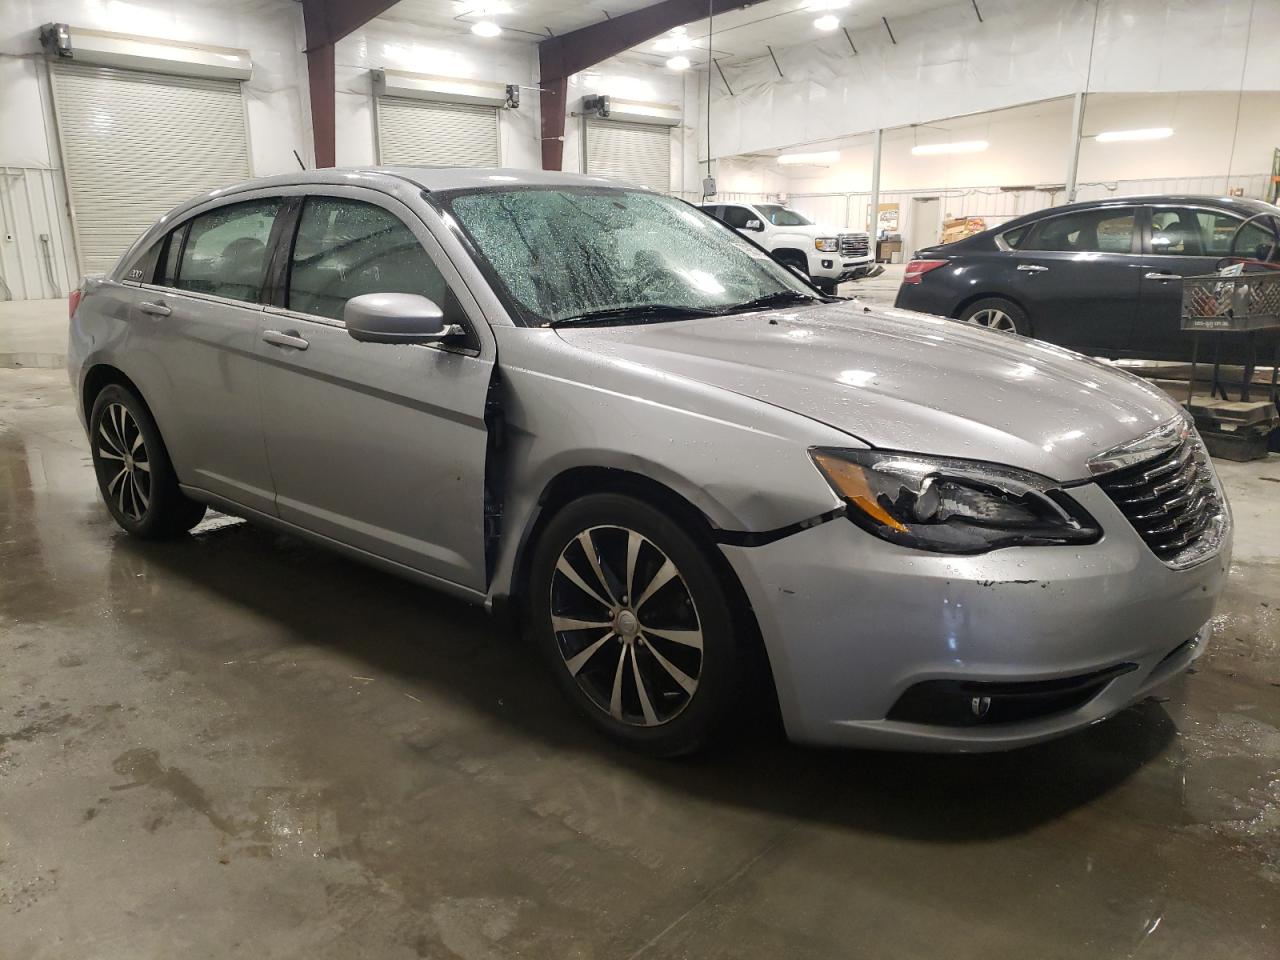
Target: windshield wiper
[
  {"x": 640, "y": 314},
  {"x": 779, "y": 299}
]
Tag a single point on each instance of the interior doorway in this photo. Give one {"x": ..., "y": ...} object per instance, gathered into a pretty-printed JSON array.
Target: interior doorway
[{"x": 926, "y": 224}]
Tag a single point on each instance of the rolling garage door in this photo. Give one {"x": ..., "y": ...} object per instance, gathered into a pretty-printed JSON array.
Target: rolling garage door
[
  {"x": 633, "y": 152},
  {"x": 436, "y": 134},
  {"x": 136, "y": 144}
]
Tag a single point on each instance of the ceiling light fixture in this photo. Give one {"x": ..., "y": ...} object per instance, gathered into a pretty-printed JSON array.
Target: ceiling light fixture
[
  {"x": 821, "y": 159},
  {"x": 1150, "y": 133},
  {"x": 485, "y": 28},
  {"x": 829, "y": 22},
  {"x": 678, "y": 63},
  {"x": 960, "y": 146}
]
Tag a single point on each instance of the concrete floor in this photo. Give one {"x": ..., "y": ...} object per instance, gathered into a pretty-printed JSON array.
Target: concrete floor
[{"x": 238, "y": 744}]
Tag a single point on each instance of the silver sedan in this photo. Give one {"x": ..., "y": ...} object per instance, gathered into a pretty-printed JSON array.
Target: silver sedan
[{"x": 697, "y": 481}]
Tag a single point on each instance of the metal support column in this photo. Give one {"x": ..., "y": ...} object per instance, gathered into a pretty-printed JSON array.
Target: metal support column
[
  {"x": 1073, "y": 161},
  {"x": 873, "y": 215}
]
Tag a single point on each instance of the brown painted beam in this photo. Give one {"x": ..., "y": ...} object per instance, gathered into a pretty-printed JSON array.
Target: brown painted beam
[
  {"x": 560, "y": 57},
  {"x": 323, "y": 119},
  {"x": 327, "y": 22}
]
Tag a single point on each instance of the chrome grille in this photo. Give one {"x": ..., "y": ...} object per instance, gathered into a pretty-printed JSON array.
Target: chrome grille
[
  {"x": 854, "y": 244},
  {"x": 1171, "y": 501}
]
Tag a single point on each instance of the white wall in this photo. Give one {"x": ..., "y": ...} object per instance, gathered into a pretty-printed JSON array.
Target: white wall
[{"x": 946, "y": 63}]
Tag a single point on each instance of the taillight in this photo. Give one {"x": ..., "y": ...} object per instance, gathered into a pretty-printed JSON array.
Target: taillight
[
  {"x": 73, "y": 301},
  {"x": 916, "y": 269}
]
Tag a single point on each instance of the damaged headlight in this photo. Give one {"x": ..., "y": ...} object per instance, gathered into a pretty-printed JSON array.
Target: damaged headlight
[{"x": 952, "y": 506}]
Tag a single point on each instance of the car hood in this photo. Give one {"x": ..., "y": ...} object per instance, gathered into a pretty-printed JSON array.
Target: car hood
[{"x": 907, "y": 381}]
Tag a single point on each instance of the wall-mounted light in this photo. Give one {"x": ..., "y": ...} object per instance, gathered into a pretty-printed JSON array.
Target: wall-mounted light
[
  {"x": 829, "y": 22},
  {"x": 960, "y": 146},
  {"x": 678, "y": 63},
  {"x": 485, "y": 28},
  {"x": 1149, "y": 133},
  {"x": 823, "y": 158}
]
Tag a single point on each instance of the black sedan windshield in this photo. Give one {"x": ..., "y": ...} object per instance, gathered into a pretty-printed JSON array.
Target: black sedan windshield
[{"x": 566, "y": 254}]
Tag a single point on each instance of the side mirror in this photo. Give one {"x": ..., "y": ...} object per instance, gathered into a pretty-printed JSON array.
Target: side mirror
[
  {"x": 753, "y": 225},
  {"x": 395, "y": 318}
]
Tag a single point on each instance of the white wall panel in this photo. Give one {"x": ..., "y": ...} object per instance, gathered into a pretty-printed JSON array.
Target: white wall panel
[{"x": 36, "y": 263}]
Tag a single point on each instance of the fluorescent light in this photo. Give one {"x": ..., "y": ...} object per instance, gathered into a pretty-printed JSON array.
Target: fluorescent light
[
  {"x": 820, "y": 159},
  {"x": 485, "y": 28},
  {"x": 1150, "y": 133},
  {"x": 678, "y": 63},
  {"x": 829, "y": 22},
  {"x": 961, "y": 146}
]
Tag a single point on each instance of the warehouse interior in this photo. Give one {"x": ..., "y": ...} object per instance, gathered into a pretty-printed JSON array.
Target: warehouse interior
[{"x": 240, "y": 743}]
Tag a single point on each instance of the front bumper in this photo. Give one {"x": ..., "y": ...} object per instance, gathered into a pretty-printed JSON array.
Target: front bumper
[
  {"x": 851, "y": 623},
  {"x": 839, "y": 269}
]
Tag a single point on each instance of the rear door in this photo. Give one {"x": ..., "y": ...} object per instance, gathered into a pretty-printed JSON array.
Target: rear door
[
  {"x": 1181, "y": 240},
  {"x": 195, "y": 328},
  {"x": 1078, "y": 274},
  {"x": 381, "y": 447}
]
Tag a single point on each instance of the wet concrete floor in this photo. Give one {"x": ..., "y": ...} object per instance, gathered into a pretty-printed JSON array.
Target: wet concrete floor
[{"x": 237, "y": 744}]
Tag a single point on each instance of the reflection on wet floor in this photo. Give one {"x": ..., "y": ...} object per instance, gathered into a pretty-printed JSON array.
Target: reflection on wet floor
[{"x": 239, "y": 743}]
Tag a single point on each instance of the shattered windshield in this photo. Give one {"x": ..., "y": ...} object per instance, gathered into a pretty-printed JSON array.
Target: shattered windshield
[{"x": 571, "y": 254}]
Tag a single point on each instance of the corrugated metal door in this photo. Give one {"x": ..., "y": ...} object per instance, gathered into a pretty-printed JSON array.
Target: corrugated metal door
[
  {"x": 136, "y": 144},
  {"x": 637, "y": 153},
  {"x": 431, "y": 133}
]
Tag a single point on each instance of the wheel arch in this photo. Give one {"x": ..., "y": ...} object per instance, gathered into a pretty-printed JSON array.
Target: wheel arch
[
  {"x": 798, "y": 254},
  {"x": 578, "y": 481},
  {"x": 974, "y": 298},
  {"x": 100, "y": 376}
]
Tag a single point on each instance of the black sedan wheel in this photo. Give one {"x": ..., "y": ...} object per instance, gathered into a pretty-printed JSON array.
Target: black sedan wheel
[
  {"x": 634, "y": 620},
  {"x": 995, "y": 313}
]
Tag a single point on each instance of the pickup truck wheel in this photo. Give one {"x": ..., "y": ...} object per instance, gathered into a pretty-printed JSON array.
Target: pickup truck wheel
[{"x": 996, "y": 313}]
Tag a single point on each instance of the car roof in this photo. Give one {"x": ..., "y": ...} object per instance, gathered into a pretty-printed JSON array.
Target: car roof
[{"x": 1241, "y": 205}]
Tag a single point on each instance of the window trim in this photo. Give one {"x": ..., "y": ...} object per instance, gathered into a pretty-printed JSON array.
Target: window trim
[{"x": 1135, "y": 239}]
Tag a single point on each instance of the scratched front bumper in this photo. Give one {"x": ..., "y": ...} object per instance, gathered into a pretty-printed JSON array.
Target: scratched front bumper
[{"x": 850, "y": 622}]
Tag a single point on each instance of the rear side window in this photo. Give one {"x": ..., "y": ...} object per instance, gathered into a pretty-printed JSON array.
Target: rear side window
[
  {"x": 1086, "y": 231},
  {"x": 1013, "y": 238},
  {"x": 227, "y": 250},
  {"x": 346, "y": 248}
]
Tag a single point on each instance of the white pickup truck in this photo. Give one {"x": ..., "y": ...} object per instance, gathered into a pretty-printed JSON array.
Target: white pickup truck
[{"x": 828, "y": 256}]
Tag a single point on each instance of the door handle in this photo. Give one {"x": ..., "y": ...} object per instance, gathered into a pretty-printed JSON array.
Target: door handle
[
  {"x": 1032, "y": 268},
  {"x": 290, "y": 339},
  {"x": 154, "y": 308},
  {"x": 1162, "y": 276}
]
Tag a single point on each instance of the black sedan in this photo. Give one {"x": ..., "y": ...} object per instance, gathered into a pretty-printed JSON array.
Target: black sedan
[{"x": 1103, "y": 277}]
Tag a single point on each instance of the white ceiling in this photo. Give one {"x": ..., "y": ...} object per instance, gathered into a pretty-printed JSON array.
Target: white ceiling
[{"x": 739, "y": 35}]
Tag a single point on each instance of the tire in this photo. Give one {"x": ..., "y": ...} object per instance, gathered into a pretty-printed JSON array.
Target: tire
[
  {"x": 829, "y": 287},
  {"x": 133, "y": 469},
  {"x": 679, "y": 639},
  {"x": 997, "y": 313},
  {"x": 790, "y": 259}
]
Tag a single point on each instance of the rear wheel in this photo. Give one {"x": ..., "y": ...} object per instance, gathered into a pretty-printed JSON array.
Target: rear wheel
[
  {"x": 635, "y": 624},
  {"x": 996, "y": 313},
  {"x": 133, "y": 469}
]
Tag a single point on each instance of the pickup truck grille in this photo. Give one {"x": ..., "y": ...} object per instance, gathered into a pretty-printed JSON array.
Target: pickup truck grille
[
  {"x": 854, "y": 245},
  {"x": 1170, "y": 499}
]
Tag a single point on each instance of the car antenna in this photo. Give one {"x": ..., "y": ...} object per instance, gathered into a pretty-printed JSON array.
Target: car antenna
[{"x": 301, "y": 165}]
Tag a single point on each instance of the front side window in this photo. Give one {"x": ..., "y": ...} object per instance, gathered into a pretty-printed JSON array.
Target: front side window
[
  {"x": 1086, "y": 231},
  {"x": 580, "y": 253},
  {"x": 227, "y": 250},
  {"x": 737, "y": 217},
  {"x": 346, "y": 248},
  {"x": 780, "y": 216},
  {"x": 1218, "y": 229}
]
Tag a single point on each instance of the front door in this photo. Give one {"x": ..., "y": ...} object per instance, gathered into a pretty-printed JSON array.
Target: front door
[
  {"x": 1077, "y": 275},
  {"x": 378, "y": 446},
  {"x": 202, "y": 315},
  {"x": 1182, "y": 241}
]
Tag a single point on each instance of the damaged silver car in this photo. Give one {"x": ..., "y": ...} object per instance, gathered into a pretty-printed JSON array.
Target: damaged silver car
[{"x": 682, "y": 465}]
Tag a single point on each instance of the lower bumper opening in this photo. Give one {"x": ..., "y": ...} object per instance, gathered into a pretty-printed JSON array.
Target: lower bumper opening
[{"x": 970, "y": 703}]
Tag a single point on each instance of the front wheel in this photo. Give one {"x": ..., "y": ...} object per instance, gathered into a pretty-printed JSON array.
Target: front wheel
[
  {"x": 635, "y": 623},
  {"x": 133, "y": 469},
  {"x": 996, "y": 313}
]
